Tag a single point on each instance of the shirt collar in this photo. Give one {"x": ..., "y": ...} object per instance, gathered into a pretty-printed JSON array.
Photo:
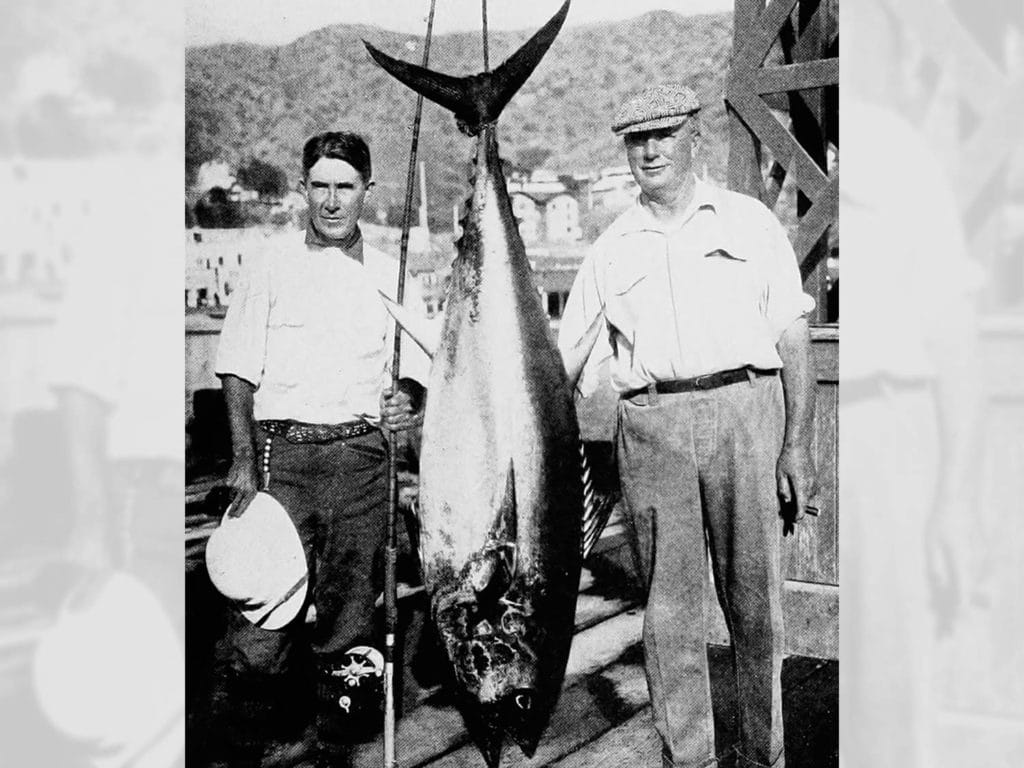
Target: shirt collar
[
  {"x": 640, "y": 219},
  {"x": 706, "y": 197},
  {"x": 353, "y": 248}
]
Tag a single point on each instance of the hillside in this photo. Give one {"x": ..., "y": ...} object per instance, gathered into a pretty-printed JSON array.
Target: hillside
[{"x": 263, "y": 101}]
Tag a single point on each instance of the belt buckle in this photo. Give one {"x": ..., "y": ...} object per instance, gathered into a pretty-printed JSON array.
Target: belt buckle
[{"x": 699, "y": 381}]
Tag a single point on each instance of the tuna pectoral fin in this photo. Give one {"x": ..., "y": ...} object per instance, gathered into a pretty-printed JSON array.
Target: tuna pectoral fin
[
  {"x": 576, "y": 358},
  {"x": 496, "y": 564},
  {"x": 478, "y": 99},
  {"x": 426, "y": 333}
]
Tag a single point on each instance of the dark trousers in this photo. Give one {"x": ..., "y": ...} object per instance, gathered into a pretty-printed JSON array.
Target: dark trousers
[
  {"x": 336, "y": 494},
  {"x": 698, "y": 478}
]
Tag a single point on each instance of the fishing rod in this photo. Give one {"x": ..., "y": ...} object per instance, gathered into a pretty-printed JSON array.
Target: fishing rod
[{"x": 391, "y": 545}]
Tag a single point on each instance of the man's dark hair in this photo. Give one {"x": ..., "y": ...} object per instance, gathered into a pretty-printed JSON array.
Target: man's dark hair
[{"x": 339, "y": 145}]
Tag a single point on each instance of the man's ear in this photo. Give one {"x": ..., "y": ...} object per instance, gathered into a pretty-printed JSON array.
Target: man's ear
[
  {"x": 301, "y": 186},
  {"x": 370, "y": 185}
]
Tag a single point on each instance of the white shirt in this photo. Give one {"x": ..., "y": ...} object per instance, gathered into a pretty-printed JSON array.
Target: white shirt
[
  {"x": 308, "y": 329},
  {"x": 711, "y": 293}
]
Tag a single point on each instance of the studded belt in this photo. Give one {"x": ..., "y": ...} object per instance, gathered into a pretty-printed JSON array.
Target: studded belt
[{"x": 301, "y": 432}]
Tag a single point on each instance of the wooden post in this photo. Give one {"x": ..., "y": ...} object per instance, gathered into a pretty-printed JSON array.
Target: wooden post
[{"x": 744, "y": 148}]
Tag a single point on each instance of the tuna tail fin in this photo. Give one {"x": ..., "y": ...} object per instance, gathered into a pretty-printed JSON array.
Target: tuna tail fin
[{"x": 478, "y": 99}]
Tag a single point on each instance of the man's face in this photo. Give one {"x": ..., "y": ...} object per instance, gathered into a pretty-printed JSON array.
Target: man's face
[
  {"x": 661, "y": 160},
  {"x": 334, "y": 192}
]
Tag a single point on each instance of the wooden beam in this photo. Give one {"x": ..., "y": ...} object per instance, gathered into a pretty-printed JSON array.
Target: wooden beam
[
  {"x": 763, "y": 33},
  {"x": 792, "y": 77},
  {"x": 755, "y": 113},
  {"x": 811, "y": 617},
  {"x": 744, "y": 149},
  {"x": 821, "y": 214}
]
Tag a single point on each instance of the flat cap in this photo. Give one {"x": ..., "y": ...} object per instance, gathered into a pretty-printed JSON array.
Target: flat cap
[{"x": 659, "y": 106}]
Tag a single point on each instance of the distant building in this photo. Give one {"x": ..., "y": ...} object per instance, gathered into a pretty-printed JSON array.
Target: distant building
[
  {"x": 546, "y": 207},
  {"x": 615, "y": 189}
]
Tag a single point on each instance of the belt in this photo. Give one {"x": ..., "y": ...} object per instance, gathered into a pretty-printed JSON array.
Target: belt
[
  {"x": 707, "y": 381},
  {"x": 301, "y": 432}
]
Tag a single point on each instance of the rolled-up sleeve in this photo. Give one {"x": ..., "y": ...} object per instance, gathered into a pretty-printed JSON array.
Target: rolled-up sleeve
[
  {"x": 243, "y": 340},
  {"x": 786, "y": 298},
  {"x": 584, "y": 304}
]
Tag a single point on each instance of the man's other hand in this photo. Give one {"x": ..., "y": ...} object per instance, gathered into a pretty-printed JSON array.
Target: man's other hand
[
  {"x": 244, "y": 484},
  {"x": 797, "y": 482},
  {"x": 402, "y": 410}
]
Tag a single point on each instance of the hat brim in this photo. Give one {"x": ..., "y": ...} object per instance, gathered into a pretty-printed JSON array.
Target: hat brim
[
  {"x": 284, "y": 612},
  {"x": 652, "y": 125}
]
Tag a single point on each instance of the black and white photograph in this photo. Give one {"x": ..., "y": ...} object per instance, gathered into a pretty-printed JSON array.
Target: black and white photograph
[
  {"x": 598, "y": 478},
  {"x": 516, "y": 424}
]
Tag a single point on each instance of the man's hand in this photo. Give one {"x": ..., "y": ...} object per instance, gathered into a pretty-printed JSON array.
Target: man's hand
[
  {"x": 244, "y": 484},
  {"x": 402, "y": 410},
  {"x": 797, "y": 484}
]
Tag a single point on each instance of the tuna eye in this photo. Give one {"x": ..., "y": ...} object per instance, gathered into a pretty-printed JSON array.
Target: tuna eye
[{"x": 524, "y": 701}]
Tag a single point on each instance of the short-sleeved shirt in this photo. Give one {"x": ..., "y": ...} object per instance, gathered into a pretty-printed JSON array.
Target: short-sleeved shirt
[
  {"x": 713, "y": 292},
  {"x": 309, "y": 330}
]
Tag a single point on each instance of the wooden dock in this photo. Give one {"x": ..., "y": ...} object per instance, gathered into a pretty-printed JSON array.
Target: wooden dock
[{"x": 603, "y": 716}]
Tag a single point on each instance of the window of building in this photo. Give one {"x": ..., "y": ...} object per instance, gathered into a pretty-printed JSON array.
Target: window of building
[{"x": 554, "y": 302}]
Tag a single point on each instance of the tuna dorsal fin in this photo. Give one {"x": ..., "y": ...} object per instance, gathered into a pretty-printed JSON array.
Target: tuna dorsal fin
[
  {"x": 496, "y": 565},
  {"x": 424, "y": 332},
  {"x": 476, "y": 100}
]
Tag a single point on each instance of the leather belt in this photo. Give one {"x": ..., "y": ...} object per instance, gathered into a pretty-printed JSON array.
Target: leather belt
[
  {"x": 698, "y": 383},
  {"x": 301, "y": 432}
]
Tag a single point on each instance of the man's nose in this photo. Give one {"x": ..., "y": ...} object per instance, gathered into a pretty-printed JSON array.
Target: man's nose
[
  {"x": 651, "y": 147},
  {"x": 333, "y": 199}
]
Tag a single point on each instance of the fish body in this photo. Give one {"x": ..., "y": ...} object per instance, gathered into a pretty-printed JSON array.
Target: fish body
[{"x": 501, "y": 495}]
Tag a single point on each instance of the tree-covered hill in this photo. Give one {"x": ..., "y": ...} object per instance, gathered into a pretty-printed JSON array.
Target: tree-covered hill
[{"x": 250, "y": 101}]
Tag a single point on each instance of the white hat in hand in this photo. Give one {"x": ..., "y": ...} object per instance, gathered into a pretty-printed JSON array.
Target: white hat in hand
[{"x": 256, "y": 560}]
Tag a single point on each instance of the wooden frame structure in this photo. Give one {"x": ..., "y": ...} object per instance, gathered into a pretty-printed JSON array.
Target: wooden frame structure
[
  {"x": 804, "y": 34},
  {"x": 785, "y": 62}
]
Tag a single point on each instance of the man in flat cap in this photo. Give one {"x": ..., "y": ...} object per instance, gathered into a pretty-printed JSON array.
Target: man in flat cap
[{"x": 708, "y": 345}]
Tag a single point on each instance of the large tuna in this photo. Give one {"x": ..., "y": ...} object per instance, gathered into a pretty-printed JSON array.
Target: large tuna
[{"x": 501, "y": 496}]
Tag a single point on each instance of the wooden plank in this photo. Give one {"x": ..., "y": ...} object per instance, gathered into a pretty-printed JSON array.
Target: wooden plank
[
  {"x": 813, "y": 224},
  {"x": 433, "y": 733},
  {"x": 792, "y": 77},
  {"x": 766, "y": 29},
  {"x": 760, "y": 120},
  {"x": 634, "y": 743},
  {"x": 825, "y": 352},
  {"x": 811, "y": 615},
  {"x": 585, "y": 711},
  {"x": 744, "y": 161}
]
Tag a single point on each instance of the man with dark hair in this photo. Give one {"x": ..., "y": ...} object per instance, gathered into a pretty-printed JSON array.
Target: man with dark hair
[
  {"x": 709, "y": 354},
  {"x": 304, "y": 361}
]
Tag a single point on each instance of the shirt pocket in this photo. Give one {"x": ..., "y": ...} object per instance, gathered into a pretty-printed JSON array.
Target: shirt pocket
[
  {"x": 733, "y": 281},
  {"x": 288, "y": 311}
]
